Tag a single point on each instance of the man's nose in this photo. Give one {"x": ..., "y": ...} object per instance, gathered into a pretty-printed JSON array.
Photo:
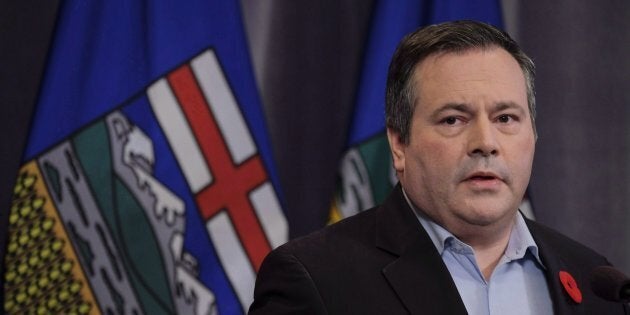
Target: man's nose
[{"x": 482, "y": 139}]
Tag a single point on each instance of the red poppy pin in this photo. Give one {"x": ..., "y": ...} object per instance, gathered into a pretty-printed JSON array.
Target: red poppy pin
[{"x": 570, "y": 286}]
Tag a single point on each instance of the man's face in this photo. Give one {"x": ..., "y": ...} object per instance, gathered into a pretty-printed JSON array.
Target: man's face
[{"x": 471, "y": 144}]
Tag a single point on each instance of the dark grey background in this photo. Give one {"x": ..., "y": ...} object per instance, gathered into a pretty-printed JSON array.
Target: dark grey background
[
  {"x": 25, "y": 32},
  {"x": 307, "y": 56}
]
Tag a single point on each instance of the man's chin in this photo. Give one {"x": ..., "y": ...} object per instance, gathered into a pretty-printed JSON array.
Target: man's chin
[{"x": 485, "y": 217}]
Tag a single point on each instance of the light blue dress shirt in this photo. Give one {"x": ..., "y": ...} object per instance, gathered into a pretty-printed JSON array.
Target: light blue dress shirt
[{"x": 517, "y": 284}]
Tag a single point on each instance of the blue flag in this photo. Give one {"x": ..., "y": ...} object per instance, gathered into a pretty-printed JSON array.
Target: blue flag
[
  {"x": 366, "y": 175},
  {"x": 147, "y": 184}
]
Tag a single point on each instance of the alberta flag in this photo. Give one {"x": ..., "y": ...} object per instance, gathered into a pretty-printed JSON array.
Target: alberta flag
[
  {"x": 366, "y": 175},
  {"x": 147, "y": 185}
]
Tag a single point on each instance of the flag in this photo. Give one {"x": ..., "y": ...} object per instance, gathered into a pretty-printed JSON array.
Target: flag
[
  {"x": 147, "y": 185},
  {"x": 366, "y": 175}
]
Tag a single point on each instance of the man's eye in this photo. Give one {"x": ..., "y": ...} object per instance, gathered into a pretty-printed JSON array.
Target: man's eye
[
  {"x": 450, "y": 120},
  {"x": 504, "y": 119}
]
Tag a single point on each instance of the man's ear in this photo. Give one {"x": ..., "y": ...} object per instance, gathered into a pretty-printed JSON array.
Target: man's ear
[{"x": 397, "y": 147}]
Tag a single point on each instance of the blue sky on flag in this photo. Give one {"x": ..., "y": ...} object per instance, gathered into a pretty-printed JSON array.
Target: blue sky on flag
[{"x": 103, "y": 63}]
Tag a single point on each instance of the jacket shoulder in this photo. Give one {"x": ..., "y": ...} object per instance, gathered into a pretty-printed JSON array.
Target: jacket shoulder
[
  {"x": 564, "y": 245},
  {"x": 325, "y": 272},
  {"x": 357, "y": 230}
]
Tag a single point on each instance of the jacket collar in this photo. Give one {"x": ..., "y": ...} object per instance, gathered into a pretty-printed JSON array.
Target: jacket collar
[
  {"x": 554, "y": 263},
  {"x": 417, "y": 273}
]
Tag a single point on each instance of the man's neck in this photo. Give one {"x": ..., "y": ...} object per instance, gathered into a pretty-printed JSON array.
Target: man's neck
[
  {"x": 489, "y": 244},
  {"x": 489, "y": 256}
]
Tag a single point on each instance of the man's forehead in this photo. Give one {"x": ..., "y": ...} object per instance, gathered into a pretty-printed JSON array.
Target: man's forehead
[
  {"x": 491, "y": 77},
  {"x": 470, "y": 70},
  {"x": 437, "y": 57}
]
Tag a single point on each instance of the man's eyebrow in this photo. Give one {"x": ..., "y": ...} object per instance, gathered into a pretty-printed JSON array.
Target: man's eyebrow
[
  {"x": 467, "y": 109},
  {"x": 501, "y": 106},
  {"x": 460, "y": 107}
]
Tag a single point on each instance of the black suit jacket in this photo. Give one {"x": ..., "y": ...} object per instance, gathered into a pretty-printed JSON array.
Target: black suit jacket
[{"x": 382, "y": 261}]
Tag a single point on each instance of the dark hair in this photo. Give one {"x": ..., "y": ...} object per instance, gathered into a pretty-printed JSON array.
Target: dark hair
[{"x": 457, "y": 36}]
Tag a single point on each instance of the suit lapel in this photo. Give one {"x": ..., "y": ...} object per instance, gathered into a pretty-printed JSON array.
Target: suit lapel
[
  {"x": 562, "y": 302},
  {"x": 417, "y": 274}
]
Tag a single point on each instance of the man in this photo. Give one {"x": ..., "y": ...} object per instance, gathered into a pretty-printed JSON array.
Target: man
[{"x": 449, "y": 239}]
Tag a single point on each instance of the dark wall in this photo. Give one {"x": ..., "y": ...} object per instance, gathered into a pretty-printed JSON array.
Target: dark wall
[
  {"x": 307, "y": 54},
  {"x": 581, "y": 181},
  {"x": 25, "y": 32}
]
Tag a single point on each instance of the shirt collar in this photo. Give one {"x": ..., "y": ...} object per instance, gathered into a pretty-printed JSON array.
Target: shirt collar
[{"x": 521, "y": 240}]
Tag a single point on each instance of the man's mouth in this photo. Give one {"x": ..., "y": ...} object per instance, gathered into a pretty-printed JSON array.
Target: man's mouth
[
  {"x": 484, "y": 180},
  {"x": 483, "y": 176}
]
